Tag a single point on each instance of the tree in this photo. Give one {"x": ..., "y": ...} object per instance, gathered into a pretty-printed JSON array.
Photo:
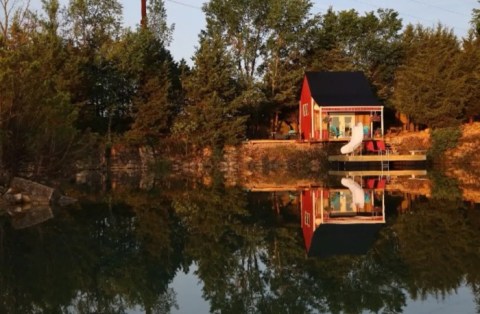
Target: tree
[
  {"x": 283, "y": 64},
  {"x": 20, "y": 10},
  {"x": 157, "y": 22},
  {"x": 212, "y": 116},
  {"x": 99, "y": 91},
  {"x": 476, "y": 21},
  {"x": 429, "y": 87},
  {"x": 154, "y": 76},
  {"x": 242, "y": 25},
  {"x": 37, "y": 116},
  {"x": 469, "y": 66},
  {"x": 348, "y": 41},
  {"x": 92, "y": 22}
]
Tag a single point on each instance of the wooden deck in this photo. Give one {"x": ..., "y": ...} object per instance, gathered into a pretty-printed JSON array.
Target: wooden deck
[
  {"x": 377, "y": 158},
  {"x": 374, "y": 173}
]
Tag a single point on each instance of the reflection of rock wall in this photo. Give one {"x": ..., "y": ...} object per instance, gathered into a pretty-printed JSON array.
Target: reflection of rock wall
[
  {"x": 271, "y": 163},
  {"x": 410, "y": 186},
  {"x": 468, "y": 181},
  {"x": 130, "y": 157},
  {"x": 27, "y": 216}
]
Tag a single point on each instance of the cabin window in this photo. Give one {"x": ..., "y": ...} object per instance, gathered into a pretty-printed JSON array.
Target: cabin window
[
  {"x": 305, "y": 110},
  {"x": 341, "y": 125}
]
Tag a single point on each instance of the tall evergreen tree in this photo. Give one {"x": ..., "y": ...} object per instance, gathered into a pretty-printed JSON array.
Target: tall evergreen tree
[
  {"x": 157, "y": 97},
  {"x": 429, "y": 86},
  {"x": 38, "y": 125},
  {"x": 469, "y": 65},
  {"x": 155, "y": 77},
  {"x": 212, "y": 116}
]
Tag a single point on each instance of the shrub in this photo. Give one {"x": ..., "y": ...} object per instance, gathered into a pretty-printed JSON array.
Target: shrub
[{"x": 442, "y": 140}]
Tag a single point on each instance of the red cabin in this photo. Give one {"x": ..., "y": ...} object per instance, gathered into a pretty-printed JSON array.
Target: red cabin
[{"x": 332, "y": 103}]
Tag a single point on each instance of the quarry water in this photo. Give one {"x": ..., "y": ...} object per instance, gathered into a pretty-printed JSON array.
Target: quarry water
[{"x": 380, "y": 244}]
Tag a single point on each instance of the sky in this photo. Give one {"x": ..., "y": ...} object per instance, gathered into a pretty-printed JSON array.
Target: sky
[{"x": 188, "y": 17}]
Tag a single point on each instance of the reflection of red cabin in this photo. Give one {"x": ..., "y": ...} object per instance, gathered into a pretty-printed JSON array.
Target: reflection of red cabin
[
  {"x": 324, "y": 207},
  {"x": 332, "y": 103}
]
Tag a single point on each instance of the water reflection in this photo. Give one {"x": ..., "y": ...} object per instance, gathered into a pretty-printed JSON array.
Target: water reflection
[
  {"x": 28, "y": 215},
  {"x": 124, "y": 250},
  {"x": 343, "y": 219}
]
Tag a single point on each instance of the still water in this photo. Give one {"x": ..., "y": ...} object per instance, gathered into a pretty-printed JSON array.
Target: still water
[{"x": 383, "y": 244}]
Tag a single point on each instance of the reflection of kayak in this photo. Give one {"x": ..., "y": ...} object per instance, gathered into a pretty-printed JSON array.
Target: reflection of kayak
[{"x": 358, "y": 195}]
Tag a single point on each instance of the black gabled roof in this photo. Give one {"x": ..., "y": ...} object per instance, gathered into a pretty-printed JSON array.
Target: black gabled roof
[{"x": 341, "y": 89}]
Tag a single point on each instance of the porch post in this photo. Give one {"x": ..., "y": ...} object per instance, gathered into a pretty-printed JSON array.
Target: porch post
[
  {"x": 383, "y": 205},
  {"x": 371, "y": 124},
  {"x": 314, "y": 202},
  {"x": 381, "y": 117},
  {"x": 321, "y": 206},
  {"x": 312, "y": 130},
  {"x": 321, "y": 126}
]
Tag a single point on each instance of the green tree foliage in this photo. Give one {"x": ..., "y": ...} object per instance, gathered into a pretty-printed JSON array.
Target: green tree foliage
[
  {"x": 429, "y": 87},
  {"x": 476, "y": 21},
  {"x": 345, "y": 41},
  {"x": 283, "y": 65},
  {"x": 266, "y": 43},
  {"x": 212, "y": 116},
  {"x": 118, "y": 254},
  {"x": 12, "y": 12},
  {"x": 243, "y": 27},
  {"x": 101, "y": 90},
  {"x": 92, "y": 22},
  {"x": 157, "y": 21},
  {"x": 157, "y": 97},
  {"x": 470, "y": 67},
  {"x": 37, "y": 119},
  {"x": 438, "y": 231},
  {"x": 442, "y": 140}
]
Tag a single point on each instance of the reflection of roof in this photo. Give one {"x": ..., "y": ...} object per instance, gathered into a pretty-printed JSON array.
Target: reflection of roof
[
  {"x": 343, "y": 239},
  {"x": 341, "y": 89}
]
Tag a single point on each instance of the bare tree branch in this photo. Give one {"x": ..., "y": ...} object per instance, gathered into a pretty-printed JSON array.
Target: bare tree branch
[{"x": 8, "y": 8}]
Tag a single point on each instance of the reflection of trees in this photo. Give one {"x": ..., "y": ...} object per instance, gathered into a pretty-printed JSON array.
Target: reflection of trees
[
  {"x": 219, "y": 242},
  {"x": 112, "y": 255},
  {"x": 97, "y": 259},
  {"x": 438, "y": 245},
  {"x": 444, "y": 187},
  {"x": 250, "y": 258},
  {"x": 238, "y": 251}
]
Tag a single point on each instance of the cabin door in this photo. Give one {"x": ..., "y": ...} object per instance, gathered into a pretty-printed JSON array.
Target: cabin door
[{"x": 341, "y": 125}]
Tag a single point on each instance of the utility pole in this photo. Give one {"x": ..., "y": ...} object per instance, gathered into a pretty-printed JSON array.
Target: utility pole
[{"x": 144, "y": 13}]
